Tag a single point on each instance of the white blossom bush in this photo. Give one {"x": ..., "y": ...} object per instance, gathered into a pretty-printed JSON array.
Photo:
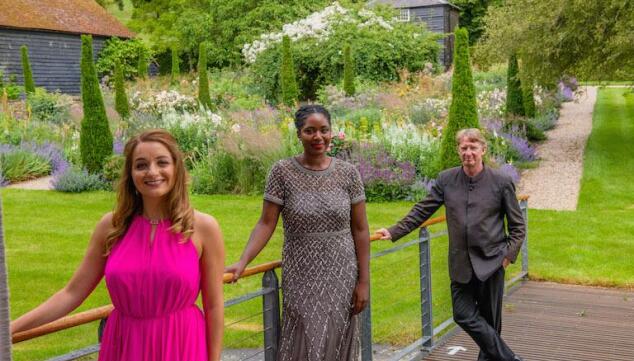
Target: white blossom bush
[{"x": 163, "y": 102}]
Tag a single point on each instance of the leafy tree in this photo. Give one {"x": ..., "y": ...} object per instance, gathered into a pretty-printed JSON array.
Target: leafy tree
[
  {"x": 472, "y": 13},
  {"x": 288, "y": 82},
  {"x": 203, "y": 81},
  {"x": 589, "y": 39},
  {"x": 463, "y": 111},
  {"x": 514, "y": 99},
  {"x": 124, "y": 53},
  {"x": 95, "y": 138},
  {"x": 29, "y": 84},
  {"x": 175, "y": 67},
  {"x": 348, "y": 72},
  {"x": 121, "y": 98}
]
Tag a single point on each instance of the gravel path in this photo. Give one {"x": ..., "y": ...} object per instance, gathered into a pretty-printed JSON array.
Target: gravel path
[{"x": 555, "y": 183}]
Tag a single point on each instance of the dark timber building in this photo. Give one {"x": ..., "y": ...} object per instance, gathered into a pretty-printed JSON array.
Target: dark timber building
[
  {"x": 51, "y": 30},
  {"x": 440, "y": 16}
]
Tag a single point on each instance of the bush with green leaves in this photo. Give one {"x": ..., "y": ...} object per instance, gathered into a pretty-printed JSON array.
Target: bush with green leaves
[
  {"x": 123, "y": 52},
  {"x": 214, "y": 174},
  {"x": 49, "y": 107},
  {"x": 17, "y": 165},
  {"x": 203, "y": 81},
  {"x": 463, "y": 111},
  {"x": 113, "y": 167},
  {"x": 348, "y": 71},
  {"x": 95, "y": 142},
  {"x": 381, "y": 48},
  {"x": 175, "y": 65},
  {"x": 142, "y": 63},
  {"x": 75, "y": 180}
]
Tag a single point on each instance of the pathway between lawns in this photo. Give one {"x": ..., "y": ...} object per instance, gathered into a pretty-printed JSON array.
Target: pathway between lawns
[{"x": 556, "y": 182}]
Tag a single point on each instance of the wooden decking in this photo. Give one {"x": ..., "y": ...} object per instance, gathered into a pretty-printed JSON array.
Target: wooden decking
[{"x": 553, "y": 322}]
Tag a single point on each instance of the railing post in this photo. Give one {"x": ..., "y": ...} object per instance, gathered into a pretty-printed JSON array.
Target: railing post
[
  {"x": 102, "y": 326},
  {"x": 524, "y": 207},
  {"x": 271, "y": 315},
  {"x": 427, "y": 329},
  {"x": 366, "y": 331}
]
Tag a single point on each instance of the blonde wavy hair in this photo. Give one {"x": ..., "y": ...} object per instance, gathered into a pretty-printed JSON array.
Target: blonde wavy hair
[{"x": 129, "y": 201}]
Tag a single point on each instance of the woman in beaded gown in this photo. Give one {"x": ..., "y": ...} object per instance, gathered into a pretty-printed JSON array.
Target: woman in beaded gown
[
  {"x": 157, "y": 254},
  {"x": 325, "y": 256}
]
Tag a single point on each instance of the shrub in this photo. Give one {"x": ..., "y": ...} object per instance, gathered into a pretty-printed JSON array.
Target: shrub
[
  {"x": 382, "y": 47},
  {"x": 121, "y": 98},
  {"x": 95, "y": 142},
  {"x": 463, "y": 112},
  {"x": 203, "y": 81},
  {"x": 215, "y": 174},
  {"x": 74, "y": 180},
  {"x": 18, "y": 165},
  {"x": 112, "y": 168},
  {"x": 348, "y": 72},
  {"x": 29, "y": 84},
  {"x": 49, "y": 107},
  {"x": 175, "y": 66},
  {"x": 142, "y": 63},
  {"x": 514, "y": 99},
  {"x": 528, "y": 98},
  {"x": 124, "y": 53},
  {"x": 288, "y": 83}
]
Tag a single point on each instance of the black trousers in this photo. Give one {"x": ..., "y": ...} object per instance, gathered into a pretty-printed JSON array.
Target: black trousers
[{"x": 477, "y": 309}]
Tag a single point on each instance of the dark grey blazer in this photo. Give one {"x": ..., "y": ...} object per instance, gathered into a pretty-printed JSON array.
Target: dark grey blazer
[{"x": 475, "y": 209}]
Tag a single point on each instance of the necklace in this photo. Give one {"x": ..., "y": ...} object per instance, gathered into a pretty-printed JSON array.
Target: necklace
[{"x": 154, "y": 222}]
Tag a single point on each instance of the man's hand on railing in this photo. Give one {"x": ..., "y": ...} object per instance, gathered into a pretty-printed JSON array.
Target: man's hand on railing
[
  {"x": 236, "y": 269},
  {"x": 384, "y": 233}
]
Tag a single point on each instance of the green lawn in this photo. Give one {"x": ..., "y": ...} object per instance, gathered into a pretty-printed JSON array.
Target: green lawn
[{"x": 47, "y": 232}]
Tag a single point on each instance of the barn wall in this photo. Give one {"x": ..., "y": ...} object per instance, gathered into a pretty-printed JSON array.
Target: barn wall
[{"x": 54, "y": 57}]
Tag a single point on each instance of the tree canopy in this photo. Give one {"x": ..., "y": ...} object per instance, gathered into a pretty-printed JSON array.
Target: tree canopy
[{"x": 588, "y": 39}]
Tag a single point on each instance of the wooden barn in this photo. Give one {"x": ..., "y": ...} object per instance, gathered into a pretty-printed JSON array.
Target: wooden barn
[
  {"x": 51, "y": 30},
  {"x": 440, "y": 16}
]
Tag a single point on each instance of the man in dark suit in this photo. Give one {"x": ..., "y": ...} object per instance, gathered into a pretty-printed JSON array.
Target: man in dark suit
[{"x": 477, "y": 200}]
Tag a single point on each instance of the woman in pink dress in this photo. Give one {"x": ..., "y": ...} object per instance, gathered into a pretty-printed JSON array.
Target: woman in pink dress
[{"x": 157, "y": 254}]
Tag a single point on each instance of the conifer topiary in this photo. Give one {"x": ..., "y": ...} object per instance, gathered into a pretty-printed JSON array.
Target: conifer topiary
[
  {"x": 121, "y": 98},
  {"x": 175, "y": 66},
  {"x": 288, "y": 82},
  {"x": 463, "y": 111},
  {"x": 348, "y": 72},
  {"x": 95, "y": 139},
  {"x": 29, "y": 84},
  {"x": 514, "y": 99},
  {"x": 142, "y": 66},
  {"x": 528, "y": 97},
  {"x": 203, "y": 81}
]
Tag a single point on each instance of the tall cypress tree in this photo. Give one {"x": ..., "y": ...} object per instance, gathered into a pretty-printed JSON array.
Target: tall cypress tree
[
  {"x": 528, "y": 96},
  {"x": 121, "y": 98},
  {"x": 288, "y": 82},
  {"x": 463, "y": 111},
  {"x": 95, "y": 139},
  {"x": 175, "y": 65},
  {"x": 142, "y": 64},
  {"x": 514, "y": 99},
  {"x": 203, "y": 81},
  {"x": 348, "y": 72},
  {"x": 29, "y": 84}
]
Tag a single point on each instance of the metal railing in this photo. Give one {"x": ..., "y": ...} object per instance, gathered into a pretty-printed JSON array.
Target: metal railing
[{"x": 269, "y": 292}]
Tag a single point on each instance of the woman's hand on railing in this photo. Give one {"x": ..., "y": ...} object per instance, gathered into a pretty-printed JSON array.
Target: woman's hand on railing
[
  {"x": 236, "y": 269},
  {"x": 384, "y": 233}
]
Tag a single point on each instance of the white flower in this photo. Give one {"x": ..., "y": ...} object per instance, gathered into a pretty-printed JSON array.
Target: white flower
[{"x": 235, "y": 128}]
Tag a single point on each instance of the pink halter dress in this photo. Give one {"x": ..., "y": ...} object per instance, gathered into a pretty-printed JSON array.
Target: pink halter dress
[{"x": 153, "y": 286}]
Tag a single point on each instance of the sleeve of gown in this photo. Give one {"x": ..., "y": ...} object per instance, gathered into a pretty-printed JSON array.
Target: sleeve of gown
[
  {"x": 355, "y": 188},
  {"x": 274, "y": 189}
]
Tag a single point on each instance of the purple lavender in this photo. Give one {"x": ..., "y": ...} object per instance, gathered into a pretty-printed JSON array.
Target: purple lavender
[{"x": 511, "y": 171}]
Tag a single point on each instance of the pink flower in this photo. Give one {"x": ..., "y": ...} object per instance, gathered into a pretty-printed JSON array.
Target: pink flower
[{"x": 341, "y": 135}]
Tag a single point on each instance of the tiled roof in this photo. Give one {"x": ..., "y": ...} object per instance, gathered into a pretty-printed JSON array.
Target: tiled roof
[{"x": 68, "y": 16}]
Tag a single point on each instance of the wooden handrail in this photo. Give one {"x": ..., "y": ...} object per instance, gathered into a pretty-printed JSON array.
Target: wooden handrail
[{"x": 104, "y": 311}]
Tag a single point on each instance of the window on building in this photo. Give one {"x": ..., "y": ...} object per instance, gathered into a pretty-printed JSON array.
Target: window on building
[{"x": 404, "y": 16}]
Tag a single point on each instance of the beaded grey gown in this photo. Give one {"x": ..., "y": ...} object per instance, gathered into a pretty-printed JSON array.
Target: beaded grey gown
[{"x": 319, "y": 262}]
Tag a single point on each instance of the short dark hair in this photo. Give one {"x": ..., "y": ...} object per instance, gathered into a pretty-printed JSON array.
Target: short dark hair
[{"x": 305, "y": 111}]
